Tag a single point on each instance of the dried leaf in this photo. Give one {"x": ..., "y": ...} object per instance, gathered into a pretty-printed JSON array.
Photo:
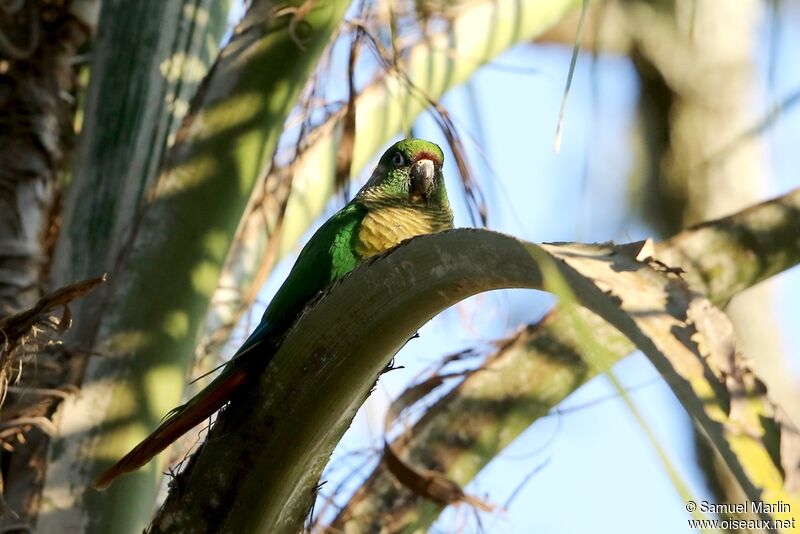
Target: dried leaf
[{"x": 425, "y": 483}]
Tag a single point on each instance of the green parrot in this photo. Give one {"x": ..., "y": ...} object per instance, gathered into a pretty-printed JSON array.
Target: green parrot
[{"x": 404, "y": 197}]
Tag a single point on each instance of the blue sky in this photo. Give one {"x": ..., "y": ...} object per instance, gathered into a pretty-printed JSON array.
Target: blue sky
[{"x": 596, "y": 471}]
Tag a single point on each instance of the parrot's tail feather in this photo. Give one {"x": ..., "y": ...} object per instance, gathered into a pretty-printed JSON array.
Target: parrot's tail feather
[{"x": 178, "y": 422}]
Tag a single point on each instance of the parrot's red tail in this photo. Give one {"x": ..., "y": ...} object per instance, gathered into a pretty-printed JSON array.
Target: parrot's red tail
[{"x": 177, "y": 423}]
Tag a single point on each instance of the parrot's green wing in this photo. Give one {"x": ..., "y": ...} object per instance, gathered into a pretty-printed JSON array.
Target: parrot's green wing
[{"x": 327, "y": 257}]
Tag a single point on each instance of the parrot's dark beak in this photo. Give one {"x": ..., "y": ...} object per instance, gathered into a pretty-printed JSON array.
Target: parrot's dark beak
[{"x": 422, "y": 175}]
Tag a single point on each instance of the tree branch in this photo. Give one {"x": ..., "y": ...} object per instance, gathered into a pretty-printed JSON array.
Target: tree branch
[
  {"x": 537, "y": 368},
  {"x": 274, "y": 440}
]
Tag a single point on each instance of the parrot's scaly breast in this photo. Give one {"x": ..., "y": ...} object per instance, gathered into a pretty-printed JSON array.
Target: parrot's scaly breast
[{"x": 387, "y": 225}]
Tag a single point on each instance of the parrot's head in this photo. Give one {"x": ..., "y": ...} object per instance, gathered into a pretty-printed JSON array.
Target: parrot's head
[{"x": 410, "y": 171}]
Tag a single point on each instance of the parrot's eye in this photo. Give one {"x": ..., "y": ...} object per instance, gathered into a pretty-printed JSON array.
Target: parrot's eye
[{"x": 398, "y": 159}]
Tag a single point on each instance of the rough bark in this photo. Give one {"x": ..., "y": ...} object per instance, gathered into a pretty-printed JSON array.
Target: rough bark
[
  {"x": 39, "y": 44},
  {"x": 147, "y": 61}
]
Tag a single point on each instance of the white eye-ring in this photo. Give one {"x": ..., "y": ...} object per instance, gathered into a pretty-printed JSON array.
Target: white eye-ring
[{"x": 398, "y": 159}]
